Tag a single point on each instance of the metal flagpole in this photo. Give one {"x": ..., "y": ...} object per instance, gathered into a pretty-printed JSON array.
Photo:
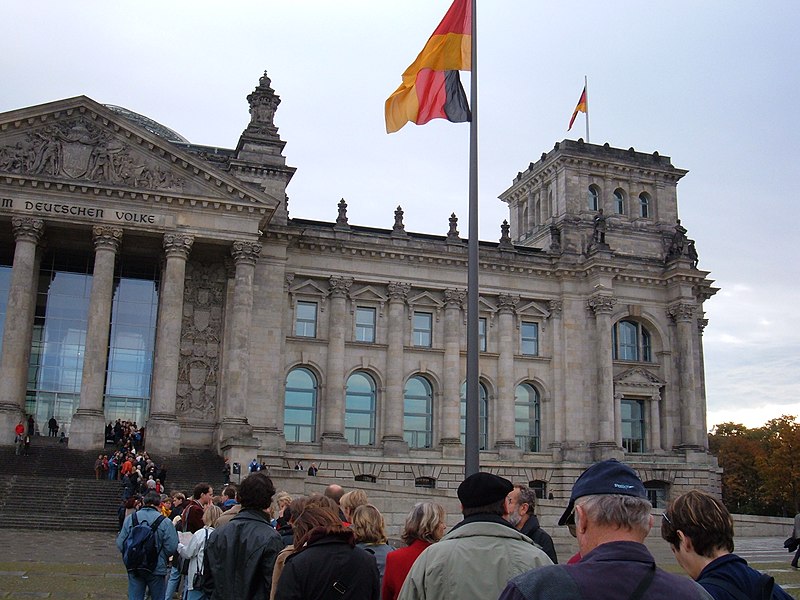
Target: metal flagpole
[
  {"x": 586, "y": 98},
  {"x": 472, "y": 446}
]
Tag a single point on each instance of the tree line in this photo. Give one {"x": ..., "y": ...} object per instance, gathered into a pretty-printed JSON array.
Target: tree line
[{"x": 761, "y": 466}]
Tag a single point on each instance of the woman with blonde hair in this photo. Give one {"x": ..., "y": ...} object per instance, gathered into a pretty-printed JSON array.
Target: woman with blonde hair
[
  {"x": 425, "y": 525},
  {"x": 195, "y": 549},
  {"x": 369, "y": 529},
  {"x": 351, "y": 501}
]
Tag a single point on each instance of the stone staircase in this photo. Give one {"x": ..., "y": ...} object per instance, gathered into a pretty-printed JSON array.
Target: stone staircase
[{"x": 54, "y": 487}]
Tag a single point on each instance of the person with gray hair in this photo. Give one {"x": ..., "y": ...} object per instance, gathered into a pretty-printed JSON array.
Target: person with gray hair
[
  {"x": 611, "y": 513},
  {"x": 520, "y": 506}
]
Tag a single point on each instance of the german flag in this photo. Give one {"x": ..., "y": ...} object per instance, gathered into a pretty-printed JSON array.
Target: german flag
[
  {"x": 581, "y": 107},
  {"x": 431, "y": 87}
]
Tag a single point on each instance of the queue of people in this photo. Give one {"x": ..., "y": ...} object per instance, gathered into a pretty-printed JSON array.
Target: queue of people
[{"x": 255, "y": 542}]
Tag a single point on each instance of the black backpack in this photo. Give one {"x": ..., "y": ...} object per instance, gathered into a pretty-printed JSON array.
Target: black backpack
[{"x": 140, "y": 551}]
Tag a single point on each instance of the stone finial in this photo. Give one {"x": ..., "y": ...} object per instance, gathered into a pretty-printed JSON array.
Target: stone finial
[
  {"x": 399, "y": 228},
  {"x": 341, "y": 219},
  {"x": 263, "y": 104},
  {"x": 452, "y": 234},
  {"x": 505, "y": 238}
]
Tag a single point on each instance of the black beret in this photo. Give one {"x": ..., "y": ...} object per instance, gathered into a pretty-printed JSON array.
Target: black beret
[{"x": 481, "y": 489}]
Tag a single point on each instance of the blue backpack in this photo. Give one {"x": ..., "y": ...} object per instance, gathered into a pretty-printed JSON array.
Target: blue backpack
[{"x": 140, "y": 550}]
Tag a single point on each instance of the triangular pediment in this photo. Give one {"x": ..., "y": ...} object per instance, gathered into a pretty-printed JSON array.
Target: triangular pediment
[
  {"x": 308, "y": 287},
  {"x": 368, "y": 294},
  {"x": 638, "y": 377},
  {"x": 533, "y": 308},
  {"x": 80, "y": 146},
  {"x": 425, "y": 299}
]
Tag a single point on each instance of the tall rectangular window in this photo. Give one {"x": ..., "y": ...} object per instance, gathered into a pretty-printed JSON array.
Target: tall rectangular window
[
  {"x": 529, "y": 338},
  {"x": 365, "y": 324},
  {"x": 423, "y": 329},
  {"x": 482, "y": 334},
  {"x": 632, "y": 425},
  {"x": 305, "y": 319}
]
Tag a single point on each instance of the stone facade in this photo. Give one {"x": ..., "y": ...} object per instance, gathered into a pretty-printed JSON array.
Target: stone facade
[{"x": 591, "y": 308}]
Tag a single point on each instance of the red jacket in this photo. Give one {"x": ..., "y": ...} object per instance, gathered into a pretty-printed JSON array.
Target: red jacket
[
  {"x": 192, "y": 517},
  {"x": 398, "y": 564},
  {"x": 19, "y": 429}
]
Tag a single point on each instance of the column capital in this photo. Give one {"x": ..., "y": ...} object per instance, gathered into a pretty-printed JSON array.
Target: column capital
[
  {"x": 681, "y": 311},
  {"x": 178, "y": 245},
  {"x": 507, "y": 303},
  {"x": 555, "y": 307},
  {"x": 340, "y": 286},
  {"x": 601, "y": 304},
  {"x": 107, "y": 238},
  {"x": 398, "y": 291},
  {"x": 27, "y": 228},
  {"x": 246, "y": 252},
  {"x": 454, "y": 297},
  {"x": 701, "y": 325}
]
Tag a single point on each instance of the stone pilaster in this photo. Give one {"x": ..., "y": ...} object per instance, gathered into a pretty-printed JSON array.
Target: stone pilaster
[
  {"x": 450, "y": 413},
  {"x": 602, "y": 305},
  {"x": 234, "y": 407},
  {"x": 333, "y": 439},
  {"x": 682, "y": 313},
  {"x": 393, "y": 440},
  {"x": 18, "y": 329},
  {"x": 559, "y": 398},
  {"x": 504, "y": 410},
  {"x": 654, "y": 423},
  {"x": 162, "y": 426},
  {"x": 88, "y": 423}
]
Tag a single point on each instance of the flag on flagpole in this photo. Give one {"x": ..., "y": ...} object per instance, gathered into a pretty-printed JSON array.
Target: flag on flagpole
[
  {"x": 431, "y": 87},
  {"x": 581, "y": 107}
]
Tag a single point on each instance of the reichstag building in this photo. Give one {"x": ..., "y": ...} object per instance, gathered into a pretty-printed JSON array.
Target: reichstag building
[{"x": 146, "y": 278}]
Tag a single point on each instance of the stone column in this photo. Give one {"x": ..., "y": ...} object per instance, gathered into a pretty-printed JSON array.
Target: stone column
[
  {"x": 450, "y": 410},
  {"x": 559, "y": 398},
  {"x": 603, "y": 305},
  {"x": 393, "y": 441},
  {"x": 654, "y": 423},
  {"x": 19, "y": 324},
  {"x": 504, "y": 410},
  {"x": 234, "y": 408},
  {"x": 701, "y": 375},
  {"x": 333, "y": 439},
  {"x": 88, "y": 423},
  {"x": 163, "y": 429},
  {"x": 691, "y": 421}
]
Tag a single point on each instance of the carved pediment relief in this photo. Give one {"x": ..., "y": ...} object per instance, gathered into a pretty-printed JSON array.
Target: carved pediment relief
[
  {"x": 638, "y": 377},
  {"x": 79, "y": 141}
]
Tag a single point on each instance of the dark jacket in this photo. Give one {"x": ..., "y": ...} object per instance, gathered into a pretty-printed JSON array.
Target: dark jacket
[
  {"x": 540, "y": 537},
  {"x": 330, "y": 566},
  {"x": 240, "y": 556},
  {"x": 734, "y": 570},
  {"x": 609, "y": 572}
]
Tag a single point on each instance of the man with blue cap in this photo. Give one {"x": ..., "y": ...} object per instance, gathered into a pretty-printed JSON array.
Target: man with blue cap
[{"x": 611, "y": 514}]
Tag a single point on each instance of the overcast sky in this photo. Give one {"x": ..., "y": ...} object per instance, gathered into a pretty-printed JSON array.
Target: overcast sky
[{"x": 712, "y": 84}]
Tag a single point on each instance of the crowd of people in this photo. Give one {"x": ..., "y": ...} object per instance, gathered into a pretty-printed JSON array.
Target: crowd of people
[{"x": 252, "y": 541}]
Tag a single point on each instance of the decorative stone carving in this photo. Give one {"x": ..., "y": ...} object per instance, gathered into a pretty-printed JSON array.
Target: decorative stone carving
[
  {"x": 505, "y": 238},
  {"x": 263, "y": 104},
  {"x": 27, "y": 228},
  {"x": 507, "y": 303},
  {"x": 201, "y": 339},
  {"x": 340, "y": 286},
  {"x": 701, "y": 325},
  {"x": 177, "y": 244},
  {"x": 601, "y": 304},
  {"x": 80, "y": 149},
  {"x": 681, "y": 311},
  {"x": 555, "y": 307},
  {"x": 398, "y": 290},
  {"x": 454, "y": 297},
  {"x": 452, "y": 233},
  {"x": 247, "y": 252},
  {"x": 341, "y": 219},
  {"x": 107, "y": 237},
  {"x": 288, "y": 280},
  {"x": 398, "y": 228}
]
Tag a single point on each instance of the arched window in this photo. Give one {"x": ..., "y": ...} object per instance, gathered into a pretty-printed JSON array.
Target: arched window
[
  {"x": 483, "y": 424},
  {"x": 359, "y": 411},
  {"x": 644, "y": 205},
  {"x": 632, "y": 341},
  {"x": 425, "y": 482},
  {"x": 594, "y": 197},
  {"x": 619, "y": 201},
  {"x": 418, "y": 413},
  {"x": 526, "y": 417},
  {"x": 300, "y": 406}
]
